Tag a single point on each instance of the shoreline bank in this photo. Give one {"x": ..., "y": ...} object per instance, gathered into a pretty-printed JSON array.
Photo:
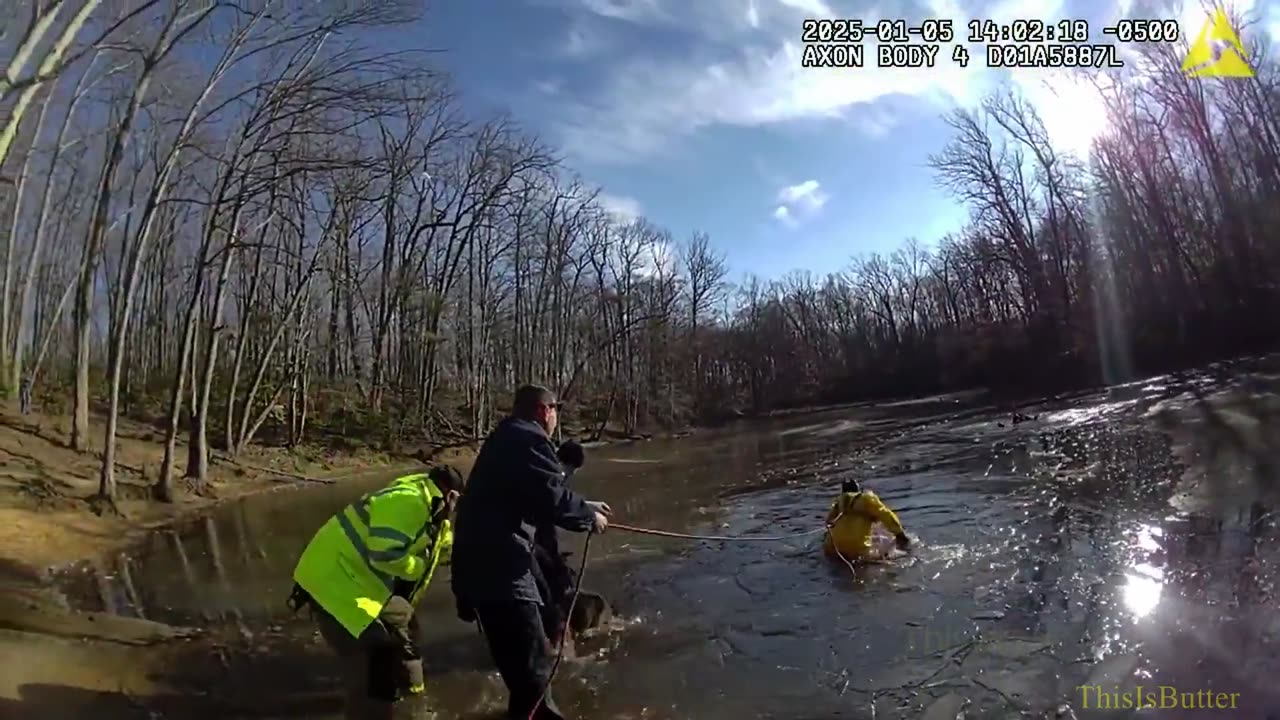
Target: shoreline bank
[{"x": 48, "y": 524}]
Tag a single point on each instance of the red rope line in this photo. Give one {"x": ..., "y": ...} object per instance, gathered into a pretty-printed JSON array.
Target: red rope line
[{"x": 718, "y": 538}]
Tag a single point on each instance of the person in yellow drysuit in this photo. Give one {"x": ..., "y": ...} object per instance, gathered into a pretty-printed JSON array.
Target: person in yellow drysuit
[
  {"x": 362, "y": 574},
  {"x": 850, "y": 521}
]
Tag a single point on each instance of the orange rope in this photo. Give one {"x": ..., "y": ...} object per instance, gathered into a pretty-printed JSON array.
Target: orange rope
[{"x": 718, "y": 538}]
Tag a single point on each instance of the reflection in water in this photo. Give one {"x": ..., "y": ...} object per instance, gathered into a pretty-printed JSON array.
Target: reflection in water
[
  {"x": 1142, "y": 588},
  {"x": 228, "y": 599},
  {"x": 106, "y": 592},
  {"x": 126, "y": 579},
  {"x": 190, "y": 587},
  {"x": 1051, "y": 553},
  {"x": 1144, "y": 581}
]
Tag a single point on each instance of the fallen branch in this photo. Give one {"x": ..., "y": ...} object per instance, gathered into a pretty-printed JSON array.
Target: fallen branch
[{"x": 271, "y": 471}]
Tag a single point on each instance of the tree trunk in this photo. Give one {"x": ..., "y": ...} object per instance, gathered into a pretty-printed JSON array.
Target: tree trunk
[
  {"x": 198, "y": 457},
  {"x": 163, "y": 489},
  {"x": 37, "y": 240}
]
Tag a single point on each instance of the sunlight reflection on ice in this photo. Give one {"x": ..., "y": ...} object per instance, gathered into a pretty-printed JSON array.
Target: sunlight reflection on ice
[
  {"x": 1142, "y": 594},
  {"x": 1080, "y": 415},
  {"x": 1149, "y": 537},
  {"x": 1144, "y": 582}
]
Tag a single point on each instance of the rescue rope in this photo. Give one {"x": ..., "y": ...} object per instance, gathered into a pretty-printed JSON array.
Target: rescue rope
[
  {"x": 582, "y": 570},
  {"x": 564, "y": 635},
  {"x": 718, "y": 538}
]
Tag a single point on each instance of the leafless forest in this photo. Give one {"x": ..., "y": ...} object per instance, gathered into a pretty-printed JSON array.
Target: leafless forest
[{"x": 249, "y": 221}]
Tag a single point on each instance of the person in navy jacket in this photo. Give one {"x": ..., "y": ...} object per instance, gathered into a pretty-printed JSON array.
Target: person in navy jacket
[{"x": 516, "y": 489}]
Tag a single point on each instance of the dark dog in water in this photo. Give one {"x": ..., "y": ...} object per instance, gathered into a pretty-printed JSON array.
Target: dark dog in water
[
  {"x": 561, "y": 612},
  {"x": 591, "y": 611}
]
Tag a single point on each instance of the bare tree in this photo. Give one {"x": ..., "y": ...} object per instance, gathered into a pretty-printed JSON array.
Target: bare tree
[{"x": 315, "y": 240}]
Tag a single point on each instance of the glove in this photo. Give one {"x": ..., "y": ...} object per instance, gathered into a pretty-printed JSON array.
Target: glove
[
  {"x": 465, "y": 613},
  {"x": 902, "y": 541}
]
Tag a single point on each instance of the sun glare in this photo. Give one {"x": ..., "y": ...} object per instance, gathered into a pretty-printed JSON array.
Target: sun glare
[
  {"x": 1073, "y": 112},
  {"x": 1142, "y": 590},
  {"x": 1144, "y": 582}
]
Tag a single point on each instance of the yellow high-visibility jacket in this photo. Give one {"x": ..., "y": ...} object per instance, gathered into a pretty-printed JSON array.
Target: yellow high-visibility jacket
[
  {"x": 351, "y": 565},
  {"x": 855, "y": 514}
]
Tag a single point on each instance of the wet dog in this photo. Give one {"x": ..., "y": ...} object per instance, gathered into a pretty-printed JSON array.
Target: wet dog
[{"x": 590, "y": 612}]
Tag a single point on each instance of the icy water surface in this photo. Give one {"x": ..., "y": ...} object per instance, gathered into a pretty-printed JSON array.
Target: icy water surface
[{"x": 1113, "y": 541}]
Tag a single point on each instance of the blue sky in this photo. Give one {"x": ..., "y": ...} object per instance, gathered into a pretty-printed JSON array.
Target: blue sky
[{"x": 698, "y": 115}]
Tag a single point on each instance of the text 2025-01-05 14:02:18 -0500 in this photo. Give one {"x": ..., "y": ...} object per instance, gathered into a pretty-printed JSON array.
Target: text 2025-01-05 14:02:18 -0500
[{"x": 838, "y": 43}]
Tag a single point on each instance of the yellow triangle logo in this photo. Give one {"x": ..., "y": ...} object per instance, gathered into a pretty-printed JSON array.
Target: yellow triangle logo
[{"x": 1217, "y": 52}]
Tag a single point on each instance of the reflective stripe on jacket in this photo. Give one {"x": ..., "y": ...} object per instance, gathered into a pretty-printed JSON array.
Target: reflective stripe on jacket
[{"x": 351, "y": 565}]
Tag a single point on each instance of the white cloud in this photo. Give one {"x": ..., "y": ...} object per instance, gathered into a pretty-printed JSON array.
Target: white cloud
[
  {"x": 733, "y": 75},
  {"x": 812, "y": 8},
  {"x": 658, "y": 258},
  {"x": 549, "y": 87},
  {"x": 807, "y": 193},
  {"x": 628, "y": 10},
  {"x": 743, "y": 69},
  {"x": 621, "y": 207},
  {"x": 800, "y": 200},
  {"x": 721, "y": 21},
  {"x": 585, "y": 38},
  {"x": 650, "y": 103}
]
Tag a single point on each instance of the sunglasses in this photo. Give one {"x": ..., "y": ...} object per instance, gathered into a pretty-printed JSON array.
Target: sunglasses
[{"x": 556, "y": 405}]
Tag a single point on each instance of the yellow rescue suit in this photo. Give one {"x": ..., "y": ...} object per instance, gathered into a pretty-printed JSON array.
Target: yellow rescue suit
[
  {"x": 854, "y": 515},
  {"x": 352, "y": 565}
]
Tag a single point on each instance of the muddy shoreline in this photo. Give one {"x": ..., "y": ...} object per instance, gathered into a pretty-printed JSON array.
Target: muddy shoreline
[{"x": 34, "y": 571}]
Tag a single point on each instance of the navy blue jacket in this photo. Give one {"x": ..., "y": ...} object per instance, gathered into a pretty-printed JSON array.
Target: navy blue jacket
[{"x": 516, "y": 487}]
